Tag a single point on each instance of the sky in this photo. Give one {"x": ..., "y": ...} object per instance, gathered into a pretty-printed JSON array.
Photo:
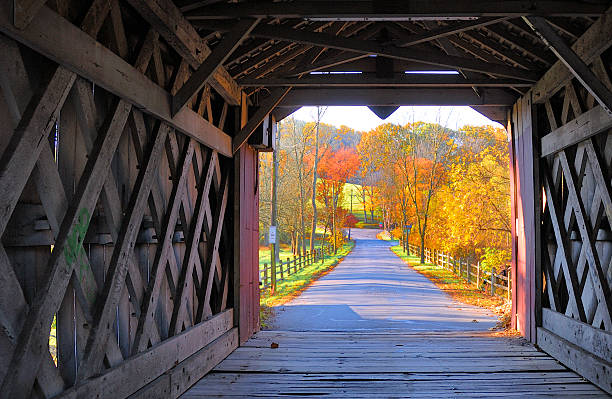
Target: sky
[{"x": 362, "y": 119}]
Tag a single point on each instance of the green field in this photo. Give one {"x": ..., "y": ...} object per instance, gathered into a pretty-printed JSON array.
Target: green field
[{"x": 358, "y": 206}]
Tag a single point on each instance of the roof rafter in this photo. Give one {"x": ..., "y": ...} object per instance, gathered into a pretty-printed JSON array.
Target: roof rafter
[
  {"x": 196, "y": 81},
  {"x": 167, "y": 19},
  {"x": 369, "y": 47}
]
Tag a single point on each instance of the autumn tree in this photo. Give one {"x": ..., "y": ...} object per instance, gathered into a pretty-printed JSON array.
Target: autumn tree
[
  {"x": 473, "y": 218},
  {"x": 336, "y": 168}
]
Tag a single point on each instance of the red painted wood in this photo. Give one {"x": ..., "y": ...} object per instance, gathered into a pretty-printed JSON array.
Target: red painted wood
[
  {"x": 249, "y": 243},
  {"x": 524, "y": 215}
]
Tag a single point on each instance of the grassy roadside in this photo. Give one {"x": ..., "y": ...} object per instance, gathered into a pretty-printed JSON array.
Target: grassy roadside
[
  {"x": 293, "y": 285},
  {"x": 459, "y": 289}
]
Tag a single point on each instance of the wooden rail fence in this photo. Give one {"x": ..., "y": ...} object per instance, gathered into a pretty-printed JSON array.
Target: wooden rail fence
[
  {"x": 493, "y": 283},
  {"x": 291, "y": 266}
]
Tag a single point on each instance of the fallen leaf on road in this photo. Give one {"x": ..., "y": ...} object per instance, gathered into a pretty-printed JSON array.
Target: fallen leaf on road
[{"x": 273, "y": 345}]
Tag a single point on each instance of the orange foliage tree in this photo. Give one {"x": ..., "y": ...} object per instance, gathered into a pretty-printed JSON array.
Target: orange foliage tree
[{"x": 335, "y": 168}]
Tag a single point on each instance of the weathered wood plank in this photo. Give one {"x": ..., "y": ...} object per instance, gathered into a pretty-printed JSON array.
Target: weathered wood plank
[
  {"x": 163, "y": 251},
  {"x": 573, "y": 62},
  {"x": 145, "y": 367},
  {"x": 222, "y": 52},
  {"x": 597, "y": 370},
  {"x": 591, "y": 339},
  {"x": 590, "y": 45},
  {"x": 264, "y": 109},
  {"x": 56, "y": 38},
  {"x": 168, "y": 20},
  {"x": 590, "y": 123},
  {"x": 60, "y": 267},
  {"x": 120, "y": 259},
  {"x": 389, "y": 364}
]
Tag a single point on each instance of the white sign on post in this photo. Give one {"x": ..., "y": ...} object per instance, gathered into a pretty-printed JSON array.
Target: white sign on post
[{"x": 272, "y": 235}]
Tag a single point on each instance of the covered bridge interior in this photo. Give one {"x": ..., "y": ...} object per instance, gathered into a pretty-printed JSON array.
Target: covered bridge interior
[{"x": 128, "y": 175}]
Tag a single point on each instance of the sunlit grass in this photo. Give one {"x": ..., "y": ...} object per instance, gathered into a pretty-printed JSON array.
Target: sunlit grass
[
  {"x": 456, "y": 286},
  {"x": 53, "y": 340}
]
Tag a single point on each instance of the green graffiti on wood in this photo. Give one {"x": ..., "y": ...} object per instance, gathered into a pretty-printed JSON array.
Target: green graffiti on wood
[{"x": 74, "y": 251}]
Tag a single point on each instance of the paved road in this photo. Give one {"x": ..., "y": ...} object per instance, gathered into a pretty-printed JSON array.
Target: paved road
[{"x": 372, "y": 289}]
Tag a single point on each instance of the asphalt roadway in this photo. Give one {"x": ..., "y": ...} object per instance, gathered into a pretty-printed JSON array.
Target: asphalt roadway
[{"x": 374, "y": 290}]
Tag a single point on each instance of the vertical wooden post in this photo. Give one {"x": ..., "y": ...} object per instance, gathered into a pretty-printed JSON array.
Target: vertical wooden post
[
  {"x": 478, "y": 275},
  {"x": 469, "y": 267},
  {"x": 492, "y": 282},
  {"x": 265, "y": 279},
  {"x": 508, "y": 286}
]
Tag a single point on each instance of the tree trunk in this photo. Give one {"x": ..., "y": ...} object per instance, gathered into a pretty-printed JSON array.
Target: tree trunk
[
  {"x": 314, "y": 185},
  {"x": 302, "y": 221},
  {"x": 422, "y": 248},
  {"x": 365, "y": 205},
  {"x": 334, "y": 219}
]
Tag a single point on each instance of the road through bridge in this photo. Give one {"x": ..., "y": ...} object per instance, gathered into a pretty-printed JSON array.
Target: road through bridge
[
  {"x": 129, "y": 226},
  {"x": 373, "y": 327}
]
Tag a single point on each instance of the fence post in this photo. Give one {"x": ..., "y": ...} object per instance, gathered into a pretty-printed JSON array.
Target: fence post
[
  {"x": 295, "y": 264},
  {"x": 454, "y": 265},
  {"x": 508, "y": 285},
  {"x": 265, "y": 274},
  {"x": 469, "y": 266},
  {"x": 492, "y": 282},
  {"x": 478, "y": 275}
]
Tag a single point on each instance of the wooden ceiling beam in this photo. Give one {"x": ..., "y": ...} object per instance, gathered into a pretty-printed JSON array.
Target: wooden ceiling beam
[
  {"x": 405, "y": 96},
  {"x": 589, "y": 46},
  {"x": 522, "y": 44},
  {"x": 573, "y": 62},
  {"x": 220, "y": 54},
  {"x": 168, "y": 20},
  {"x": 370, "y": 47},
  {"x": 370, "y": 80},
  {"x": 448, "y": 30},
  {"x": 24, "y": 11},
  {"x": 394, "y": 10},
  {"x": 56, "y": 38},
  {"x": 264, "y": 109},
  {"x": 328, "y": 62}
]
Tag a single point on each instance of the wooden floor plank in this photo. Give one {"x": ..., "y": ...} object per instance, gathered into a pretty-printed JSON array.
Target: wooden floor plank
[{"x": 390, "y": 365}]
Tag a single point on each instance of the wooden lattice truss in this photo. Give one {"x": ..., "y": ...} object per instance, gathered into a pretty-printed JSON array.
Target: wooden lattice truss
[
  {"x": 115, "y": 222},
  {"x": 578, "y": 211},
  {"x": 117, "y": 187}
]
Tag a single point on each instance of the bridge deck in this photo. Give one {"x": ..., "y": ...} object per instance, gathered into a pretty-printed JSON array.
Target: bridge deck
[{"x": 415, "y": 365}]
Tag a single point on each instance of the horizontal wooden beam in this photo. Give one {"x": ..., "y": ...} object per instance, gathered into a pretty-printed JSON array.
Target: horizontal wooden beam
[
  {"x": 586, "y": 125},
  {"x": 370, "y": 80},
  {"x": 371, "y": 47},
  {"x": 594, "y": 340},
  {"x": 56, "y": 38},
  {"x": 142, "y": 369},
  {"x": 265, "y": 108},
  {"x": 394, "y": 10},
  {"x": 591, "y": 367},
  {"x": 386, "y": 96},
  {"x": 596, "y": 40},
  {"x": 573, "y": 62},
  {"x": 498, "y": 114}
]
